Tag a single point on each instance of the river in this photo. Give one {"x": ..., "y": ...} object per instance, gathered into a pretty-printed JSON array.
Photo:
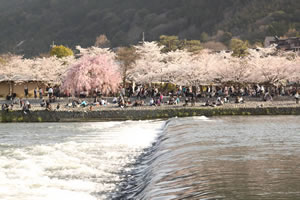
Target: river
[{"x": 256, "y": 157}]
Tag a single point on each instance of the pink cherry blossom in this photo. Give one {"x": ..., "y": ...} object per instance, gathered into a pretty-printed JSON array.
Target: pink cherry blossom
[{"x": 93, "y": 72}]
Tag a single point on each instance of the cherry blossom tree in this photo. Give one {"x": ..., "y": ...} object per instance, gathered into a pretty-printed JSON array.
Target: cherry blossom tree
[
  {"x": 50, "y": 69},
  {"x": 262, "y": 65},
  {"x": 295, "y": 70},
  {"x": 148, "y": 67},
  {"x": 270, "y": 67},
  {"x": 184, "y": 68},
  {"x": 94, "y": 51},
  {"x": 91, "y": 72},
  {"x": 174, "y": 66},
  {"x": 226, "y": 68},
  {"x": 14, "y": 69},
  {"x": 99, "y": 68},
  {"x": 179, "y": 67}
]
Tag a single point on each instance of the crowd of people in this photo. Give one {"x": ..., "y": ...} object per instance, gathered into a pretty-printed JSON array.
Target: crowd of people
[
  {"x": 152, "y": 96},
  {"x": 220, "y": 94}
]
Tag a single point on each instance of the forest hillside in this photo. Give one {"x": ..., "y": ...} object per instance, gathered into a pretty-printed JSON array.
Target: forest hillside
[{"x": 30, "y": 26}]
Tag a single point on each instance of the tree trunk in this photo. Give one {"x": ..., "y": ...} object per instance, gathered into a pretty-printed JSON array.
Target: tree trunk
[{"x": 124, "y": 76}]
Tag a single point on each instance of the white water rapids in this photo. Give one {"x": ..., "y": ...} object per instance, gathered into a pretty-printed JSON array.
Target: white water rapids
[{"x": 69, "y": 160}]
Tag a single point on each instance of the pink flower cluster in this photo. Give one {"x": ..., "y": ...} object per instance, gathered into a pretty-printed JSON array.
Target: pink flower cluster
[{"x": 92, "y": 72}]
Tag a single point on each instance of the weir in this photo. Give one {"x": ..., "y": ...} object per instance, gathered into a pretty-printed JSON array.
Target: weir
[{"x": 138, "y": 114}]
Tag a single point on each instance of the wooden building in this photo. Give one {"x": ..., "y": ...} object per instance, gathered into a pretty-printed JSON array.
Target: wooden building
[
  {"x": 16, "y": 86},
  {"x": 286, "y": 44}
]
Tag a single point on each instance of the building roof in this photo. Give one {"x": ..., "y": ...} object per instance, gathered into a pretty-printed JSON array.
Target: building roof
[{"x": 18, "y": 78}]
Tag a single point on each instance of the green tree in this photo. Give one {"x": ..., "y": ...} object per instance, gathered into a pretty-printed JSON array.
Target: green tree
[
  {"x": 127, "y": 57},
  {"x": 239, "y": 47},
  {"x": 226, "y": 37},
  {"x": 61, "y": 51},
  {"x": 192, "y": 45},
  {"x": 5, "y": 58},
  {"x": 204, "y": 37},
  {"x": 170, "y": 43},
  {"x": 2, "y": 61}
]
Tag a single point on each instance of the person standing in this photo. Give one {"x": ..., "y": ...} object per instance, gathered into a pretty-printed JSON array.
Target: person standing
[
  {"x": 26, "y": 91},
  {"x": 21, "y": 102},
  {"x": 57, "y": 92},
  {"x": 50, "y": 92},
  {"x": 297, "y": 97},
  {"x": 161, "y": 97},
  {"x": 41, "y": 93},
  {"x": 35, "y": 92}
]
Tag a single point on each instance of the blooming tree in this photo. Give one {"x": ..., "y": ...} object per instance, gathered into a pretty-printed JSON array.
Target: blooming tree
[
  {"x": 184, "y": 68},
  {"x": 271, "y": 68},
  {"x": 94, "y": 51},
  {"x": 50, "y": 69},
  {"x": 14, "y": 67},
  {"x": 295, "y": 70},
  {"x": 226, "y": 68},
  {"x": 148, "y": 67},
  {"x": 179, "y": 67},
  {"x": 174, "y": 66},
  {"x": 99, "y": 68},
  {"x": 93, "y": 72}
]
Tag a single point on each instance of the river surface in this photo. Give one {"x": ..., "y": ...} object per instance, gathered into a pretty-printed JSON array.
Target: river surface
[{"x": 182, "y": 158}]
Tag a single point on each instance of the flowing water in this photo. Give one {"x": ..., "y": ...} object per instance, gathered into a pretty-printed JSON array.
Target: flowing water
[{"x": 182, "y": 158}]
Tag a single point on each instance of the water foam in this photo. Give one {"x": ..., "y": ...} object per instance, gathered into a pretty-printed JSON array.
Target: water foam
[{"x": 85, "y": 163}]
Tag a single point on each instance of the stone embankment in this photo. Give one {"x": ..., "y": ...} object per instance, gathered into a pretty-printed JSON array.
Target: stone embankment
[{"x": 140, "y": 114}]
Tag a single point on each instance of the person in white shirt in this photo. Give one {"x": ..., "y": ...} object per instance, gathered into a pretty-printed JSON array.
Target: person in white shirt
[
  {"x": 151, "y": 103},
  {"x": 50, "y": 92},
  {"x": 297, "y": 96}
]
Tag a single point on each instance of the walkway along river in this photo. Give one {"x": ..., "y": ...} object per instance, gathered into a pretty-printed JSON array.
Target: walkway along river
[{"x": 140, "y": 114}]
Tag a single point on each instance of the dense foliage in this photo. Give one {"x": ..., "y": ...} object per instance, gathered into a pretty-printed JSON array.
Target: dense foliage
[
  {"x": 93, "y": 72},
  {"x": 97, "y": 68},
  {"x": 61, "y": 51},
  {"x": 29, "y": 26}
]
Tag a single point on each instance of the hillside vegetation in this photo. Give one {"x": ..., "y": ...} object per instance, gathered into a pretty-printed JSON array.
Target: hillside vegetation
[{"x": 30, "y": 26}]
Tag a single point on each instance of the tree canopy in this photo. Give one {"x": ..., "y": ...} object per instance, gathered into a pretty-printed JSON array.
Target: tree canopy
[
  {"x": 93, "y": 72},
  {"x": 61, "y": 51},
  {"x": 27, "y": 26},
  {"x": 239, "y": 48},
  {"x": 126, "y": 56},
  {"x": 173, "y": 43}
]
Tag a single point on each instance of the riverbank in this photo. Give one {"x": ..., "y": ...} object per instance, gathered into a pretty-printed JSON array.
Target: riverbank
[{"x": 146, "y": 113}]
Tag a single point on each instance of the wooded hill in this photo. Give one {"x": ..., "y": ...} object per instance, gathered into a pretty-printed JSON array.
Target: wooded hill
[{"x": 29, "y": 26}]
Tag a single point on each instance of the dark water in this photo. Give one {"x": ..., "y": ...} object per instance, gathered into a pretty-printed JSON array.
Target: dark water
[
  {"x": 183, "y": 158},
  {"x": 220, "y": 158}
]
